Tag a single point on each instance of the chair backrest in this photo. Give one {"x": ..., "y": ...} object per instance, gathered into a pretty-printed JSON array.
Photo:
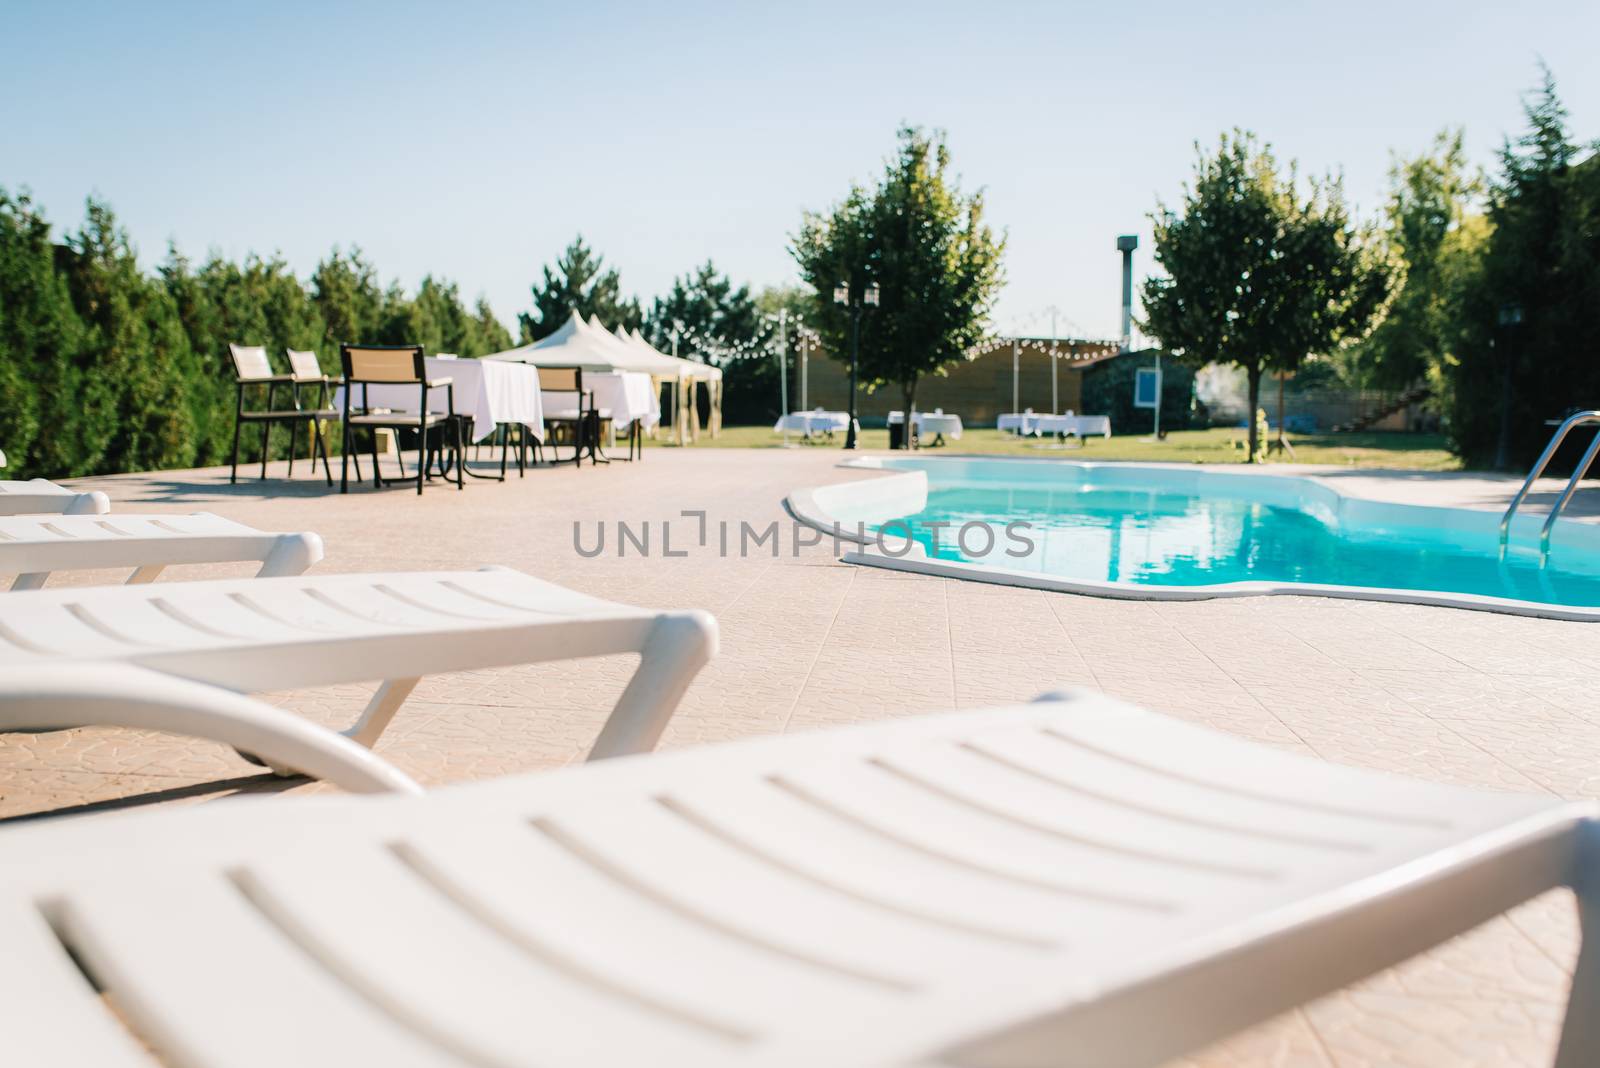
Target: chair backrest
[
  {"x": 304, "y": 365},
  {"x": 382, "y": 363},
  {"x": 560, "y": 380},
  {"x": 250, "y": 362}
]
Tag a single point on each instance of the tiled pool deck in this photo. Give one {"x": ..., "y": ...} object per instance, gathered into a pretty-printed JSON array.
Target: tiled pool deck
[{"x": 1464, "y": 697}]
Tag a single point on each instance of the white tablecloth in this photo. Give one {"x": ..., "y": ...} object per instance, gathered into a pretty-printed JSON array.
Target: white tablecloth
[
  {"x": 626, "y": 395},
  {"x": 1045, "y": 423},
  {"x": 934, "y": 422},
  {"x": 819, "y": 421},
  {"x": 490, "y": 391}
]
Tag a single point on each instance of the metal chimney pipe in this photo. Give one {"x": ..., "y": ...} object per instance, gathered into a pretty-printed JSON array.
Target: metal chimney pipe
[{"x": 1125, "y": 245}]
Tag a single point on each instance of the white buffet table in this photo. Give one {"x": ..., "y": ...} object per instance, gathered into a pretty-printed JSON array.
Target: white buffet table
[
  {"x": 489, "y": 391},
  {"x": 935, "y": 422},
  {"x": 812, "y": 423},
  {"x": 624, "y": 396},
  {"x": 1044, "y": 423}
]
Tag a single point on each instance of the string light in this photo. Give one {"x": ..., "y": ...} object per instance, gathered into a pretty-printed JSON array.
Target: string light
[{"x": 715, "y": 349}]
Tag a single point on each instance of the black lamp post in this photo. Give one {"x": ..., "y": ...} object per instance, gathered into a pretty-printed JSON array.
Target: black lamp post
[
  {"x": 1509, "y": 318},
  {"x": 869, "y": 297}
]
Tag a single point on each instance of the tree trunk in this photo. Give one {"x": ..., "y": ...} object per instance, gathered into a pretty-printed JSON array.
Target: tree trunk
[{"x": 1253, "y": 373}]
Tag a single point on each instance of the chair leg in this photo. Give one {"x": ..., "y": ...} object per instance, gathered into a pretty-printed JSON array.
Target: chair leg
[
  {"x": 233, "y": 476},
  {"x": 461, "y": 452},
  {"x": 422, "y": 459},
  {"x": 321, "y": 435},
  {"x": 266, "y": 440},
  {"x": 294, "y": 443},
  {"x": 344, "y": 458},
  {"x": 377, "y": 475}
]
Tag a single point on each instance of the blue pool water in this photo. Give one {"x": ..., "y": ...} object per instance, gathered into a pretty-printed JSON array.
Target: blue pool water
[{"x": 1169, "y": 527}]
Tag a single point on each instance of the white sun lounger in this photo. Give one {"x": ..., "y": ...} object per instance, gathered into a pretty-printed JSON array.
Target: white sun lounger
[
  {"x": 1077, "y": 884},
  {"x": 32, "y": 546},
  {"x": 252, "y": 635},
  {"x": 40, "y": 496}
]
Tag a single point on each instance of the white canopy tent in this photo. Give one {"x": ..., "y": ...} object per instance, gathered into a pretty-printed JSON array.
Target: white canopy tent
[
  {"x": 686, "y": 373},
  {"x": 576, "y": 344},
  {"x": 591, "y": 346}
]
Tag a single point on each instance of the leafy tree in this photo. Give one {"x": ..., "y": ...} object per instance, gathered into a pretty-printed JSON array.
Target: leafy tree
[
  {"x": 716, "y": 322},
  {"x": 1433, "y": 243},
  {"x": 345, "y": 290},
  {"x": 133, "y": 391},
  {"x": 1258, "y": 273},
  {"x": 490, "y": 333},
  {"x": 40, "y": 343},
  {"x": 257, "y": 302},
  {"x": 1542, "y": 257},
  {"x": 936, "y": 262},
  {"x": 437, "y": 320},
  {"x": 579, "y": 283}
]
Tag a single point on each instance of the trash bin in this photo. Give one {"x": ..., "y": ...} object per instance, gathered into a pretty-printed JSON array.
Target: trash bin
[{"x": 897, "y": 435}]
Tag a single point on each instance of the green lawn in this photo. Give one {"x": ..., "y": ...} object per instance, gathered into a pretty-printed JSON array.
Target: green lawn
[{"x": 1221, "y": 445}]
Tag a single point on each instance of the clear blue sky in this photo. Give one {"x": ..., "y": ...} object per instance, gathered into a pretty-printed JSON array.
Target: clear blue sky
[{"x": 473, "y": 140}]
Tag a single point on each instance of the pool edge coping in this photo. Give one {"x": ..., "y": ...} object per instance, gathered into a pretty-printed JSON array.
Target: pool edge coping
[{"x": 899, "y": 554}]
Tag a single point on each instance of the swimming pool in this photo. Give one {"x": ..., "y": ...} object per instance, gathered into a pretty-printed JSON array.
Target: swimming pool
[{"x": 1170, "y": 531}]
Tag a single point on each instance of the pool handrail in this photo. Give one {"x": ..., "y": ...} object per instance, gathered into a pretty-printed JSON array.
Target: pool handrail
[{"x": 1567, "y": 425}]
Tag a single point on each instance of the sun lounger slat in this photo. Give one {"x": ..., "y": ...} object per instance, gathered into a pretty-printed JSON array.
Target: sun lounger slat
[
  {"x": 208, "y": 979},
  {"x": 50, "y": 1014},
  {"x": 1084, "y": 772},
  {"x": 870, "y": 943},
  {"x": 497, "y": 1001},
  {"x": 933, "y": 873},
  {"x": 627, "y": 935}
]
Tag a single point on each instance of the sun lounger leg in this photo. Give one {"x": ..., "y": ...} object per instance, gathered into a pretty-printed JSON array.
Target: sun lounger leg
[
  {"x": 62, "y": 697},
  {"x": 678, "y": 647},
  {"x": 385, "y": 702},
  {"x": 149, "y": 573},
  {"x": 34, "y": 581},
  {"x": 1580, "y": 1035}
]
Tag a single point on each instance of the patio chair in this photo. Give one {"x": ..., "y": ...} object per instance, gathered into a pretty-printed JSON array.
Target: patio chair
[
  {"x": 568, "y": 406},
  {"x": 1078, "y": 884},
  {"x": 396, "y": 365},
  {"x": 31, "y": 547},
  {"x": 38, "y": 496},
  {"x": 251, "y": 635},
  {"x": 308, "y": 374},
  {"x": 253, "y": 370}
]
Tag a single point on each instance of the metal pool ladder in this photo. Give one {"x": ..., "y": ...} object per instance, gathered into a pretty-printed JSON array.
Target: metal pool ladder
[{"x": 1567, "y": 425}]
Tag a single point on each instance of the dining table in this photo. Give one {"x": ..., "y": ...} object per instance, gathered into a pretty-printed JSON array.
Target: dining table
[
  {"x": 819, "y": 421},
  {"x": 935, "y": 422},
  {"x": 1036, "y": 423},
  {"x": 487, "y": 392},
  {"x": 625, "y": 397}
]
